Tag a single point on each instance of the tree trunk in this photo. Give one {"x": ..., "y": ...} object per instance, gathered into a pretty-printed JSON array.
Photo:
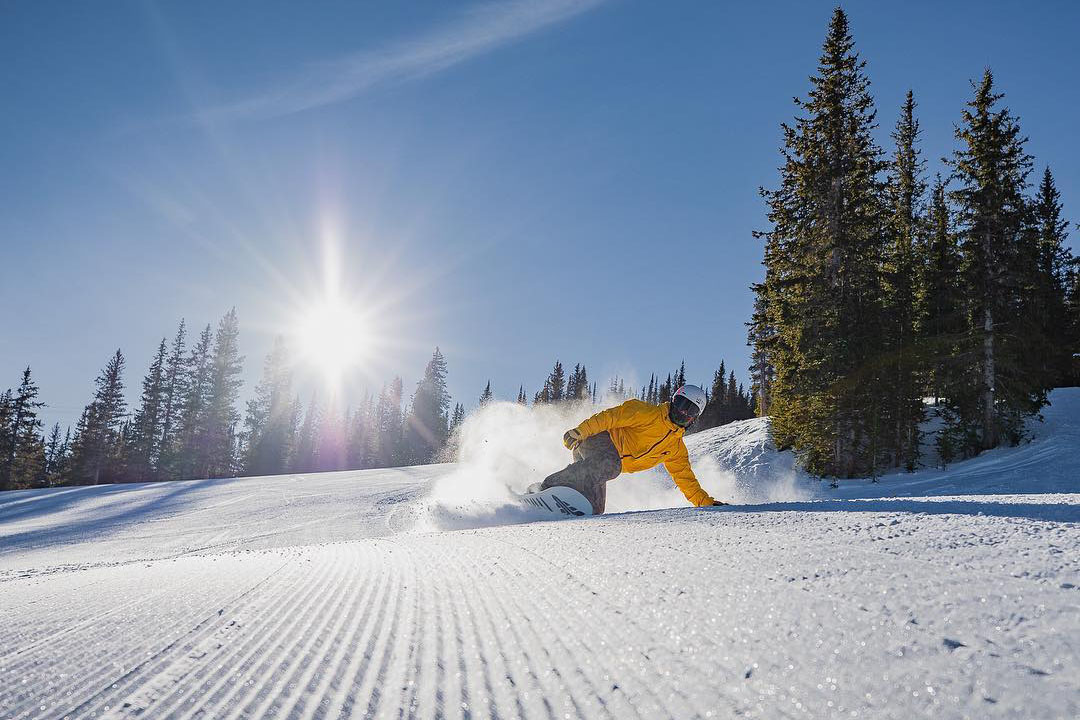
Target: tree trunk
[{"x": 989, "y": 425}]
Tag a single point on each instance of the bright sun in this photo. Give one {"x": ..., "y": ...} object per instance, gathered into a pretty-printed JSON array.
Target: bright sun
[{"x": 332, "y": 337}]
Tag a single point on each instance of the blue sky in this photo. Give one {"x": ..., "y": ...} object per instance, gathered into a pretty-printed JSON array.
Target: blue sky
[{"x": 514, "y": 182}]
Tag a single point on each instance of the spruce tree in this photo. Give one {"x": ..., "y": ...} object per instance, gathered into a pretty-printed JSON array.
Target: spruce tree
[
  {"x": 522, "y": 398},
  {"x": 330, "y": 438},
  {"x": 268, "y": 422},
  {"x": 96, "y": 447},
  {"x": 941, "y": 297},
  {"x": 222, "y": 416},
  {"x": 486, "y": 396},
  {"x": 901, "y": 382},
  {"x": 556, "y": 383},
  {"x": 191, "y": 448},
  {"x": 55, "y": 452},
  {"x": 171, "y": 404},
  {"x": 760, "y": 337},
  {"x": 458, "y": 417},
  {"x": 306, "y": 458},
  {"x": 427, "y": 426},
  {"x": 24, "y": 459},
  {"x": 143, "y": 443},
  {"x": 7, "y": 437},
  {"x": 823, "y": 256},
  {"x": 360, "y": 434},
  {"x": 1051, "y": 287},
  {"x": 991, "y": 168}
]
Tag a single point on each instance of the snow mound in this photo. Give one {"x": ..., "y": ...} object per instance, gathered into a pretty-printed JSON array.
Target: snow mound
[{"x": 741, "y": 458}]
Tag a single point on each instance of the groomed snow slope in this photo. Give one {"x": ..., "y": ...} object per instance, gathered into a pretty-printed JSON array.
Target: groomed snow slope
[{"x": 344, "y": 595}]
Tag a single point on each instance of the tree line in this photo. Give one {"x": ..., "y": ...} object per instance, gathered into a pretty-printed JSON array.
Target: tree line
[
  {"x": 884, "y": 287},
  {"x": 186, "y": 423}
]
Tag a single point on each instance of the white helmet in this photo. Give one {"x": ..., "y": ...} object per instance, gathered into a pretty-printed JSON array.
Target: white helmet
[{"x": 686, "y": 404}]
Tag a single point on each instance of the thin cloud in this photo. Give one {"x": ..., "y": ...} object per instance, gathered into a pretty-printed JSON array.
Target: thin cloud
[{"x": 480, "y": 30}]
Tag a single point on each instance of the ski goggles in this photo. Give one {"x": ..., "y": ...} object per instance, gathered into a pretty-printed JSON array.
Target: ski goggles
[{"x": 683, "y": 411}]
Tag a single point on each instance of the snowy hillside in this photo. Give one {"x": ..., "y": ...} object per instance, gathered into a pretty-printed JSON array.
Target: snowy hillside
[{"x": 421, "y": 592}]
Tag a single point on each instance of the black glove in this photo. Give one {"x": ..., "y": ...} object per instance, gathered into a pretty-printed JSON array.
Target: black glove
[{"x": 719, "y": 502}]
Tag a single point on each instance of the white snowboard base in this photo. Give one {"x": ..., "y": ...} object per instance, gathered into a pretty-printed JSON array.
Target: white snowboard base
[{"x": 559, "y": 501}]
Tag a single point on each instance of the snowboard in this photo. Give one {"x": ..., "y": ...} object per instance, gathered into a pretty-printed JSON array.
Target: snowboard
[{"x": 559, "y": 501}]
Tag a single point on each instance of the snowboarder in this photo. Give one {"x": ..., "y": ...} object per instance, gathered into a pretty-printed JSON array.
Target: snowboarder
[{"x": 631, "y": 437}]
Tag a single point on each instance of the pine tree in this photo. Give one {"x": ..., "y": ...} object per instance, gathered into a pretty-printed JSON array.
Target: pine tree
[
  {"x": 7, "y": 436},
  {"x": 268, "y": 422},
  {"x": 665, "y": 391},
  {"x": 388, "y": 417},
  {"x": 222, "y": 416},
  {"x": 171, "y": 404},
  {"x": 330, "y": 438},
  {"x": 941, "y": 298},
  {"x": 760, "y": 337},
  {"x": 1051, "y": 288},
  {"x": 522, "y": 398},
  {"x": 190, "y": 453},
  {"x": 306, "y": 457},
  {"x": 486, "y": 396},
  {"x": 680, "y": 377},
  {"x": 902, "y": 383},
  {"x": 458, "y": 417},
  {"x": 992, "y": 168},
  {"x": 360, "y": 434},
  {"x": 24, "y": 459},
  {"x": 556, "y": 383},
  {"x": 427, "y": 426},
  {"x": 1072, "y": 326},
  {"x": 96, "y": 447},
  {"x": 56, "y": 455},
  {"x": 143, "y": 443},
  {"x": 822, "y": 256}
]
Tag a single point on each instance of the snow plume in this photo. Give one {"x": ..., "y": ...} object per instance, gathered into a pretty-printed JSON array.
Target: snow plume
[{"x": 502, "y": 448}]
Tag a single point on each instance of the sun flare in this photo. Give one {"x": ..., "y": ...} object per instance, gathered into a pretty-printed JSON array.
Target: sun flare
[{"x": 332, "y": 337}]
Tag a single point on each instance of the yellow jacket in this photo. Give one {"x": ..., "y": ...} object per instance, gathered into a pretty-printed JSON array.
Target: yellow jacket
[{"x": 645, "y": 437}]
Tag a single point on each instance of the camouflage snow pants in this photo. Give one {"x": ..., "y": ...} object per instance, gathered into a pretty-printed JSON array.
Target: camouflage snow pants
[{"x": 596, "y": 461}]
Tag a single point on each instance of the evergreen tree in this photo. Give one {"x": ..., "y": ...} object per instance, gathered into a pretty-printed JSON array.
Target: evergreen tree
[
  {"x": 56, "y": 450},
  {"x": 522, "y": 399},
  {"x": 941, "y": 298},
  {"x": 7, "y": 436},
  {"x": 458, "y": 416},
  {"x": 172, "y": 404},
  {"x": 143, "y": 442},
  {"x": 760, "y": 337},
  {"x": 427, "y": 426},
  {"x": 330, "y": 451},
  {"x": 665, "y": 391},
  {"x": 96, "y": 448},
  {"x": 577, "y": 386},
  {"x": 388, "y": 418},
  {"x": 486, "y": 396},
  {"x": 680, "y": 377},
  {"x": 24, "y": 458},
  {"x": 556, "y": 383},
  {"x": 1072, "y": 330},
  {"x": 268, "y": 422},
  {"x": 306, "y": 458},
  {"x": 1051, "y": 287},
  {"x": 822, "y": 256},
  {"x": 902, "y": 383},
  {"x": 222, "y": 416},
  {"x": 991, "y": 168},
  {"x": 191, "y": 448},
  {"x": 713, "y": 414}
]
